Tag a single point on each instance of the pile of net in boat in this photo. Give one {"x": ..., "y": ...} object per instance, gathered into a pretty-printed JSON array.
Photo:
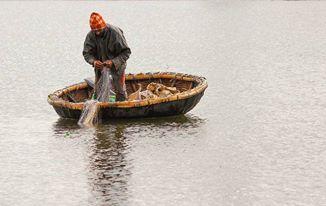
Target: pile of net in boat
[
  {"x": 153, "y": 90},
  {"x": 104, "y": 89}
]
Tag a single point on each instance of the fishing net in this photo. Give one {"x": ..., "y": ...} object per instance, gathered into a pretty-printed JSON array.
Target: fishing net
[
  {"x": 89, "y": 114},
  {"x": 104, "y": 93},
  {"x": 104, "y": 87}
]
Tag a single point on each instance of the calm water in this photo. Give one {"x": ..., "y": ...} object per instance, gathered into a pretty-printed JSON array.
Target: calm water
[{"x": 256, "y": 138}]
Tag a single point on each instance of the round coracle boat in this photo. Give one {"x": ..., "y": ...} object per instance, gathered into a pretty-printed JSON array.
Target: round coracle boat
[{"x": 69, "y": 102}]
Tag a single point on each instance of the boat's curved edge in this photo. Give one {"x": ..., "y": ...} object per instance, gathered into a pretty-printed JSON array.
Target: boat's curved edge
[
  {"x": 57, "y": 102},
  {"x": 155, "y": 110}
]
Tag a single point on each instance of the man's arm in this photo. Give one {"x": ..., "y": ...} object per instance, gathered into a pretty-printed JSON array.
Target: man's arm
[
  {"x": 89, "y": 50},
  {"x": 122, "y": 49}
]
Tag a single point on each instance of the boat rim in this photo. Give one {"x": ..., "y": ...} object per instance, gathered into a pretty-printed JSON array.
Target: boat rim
[{"x": 55, "y": 98}]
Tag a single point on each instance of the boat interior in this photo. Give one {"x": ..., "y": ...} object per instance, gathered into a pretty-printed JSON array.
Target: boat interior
[{"x": 81, "y": 95}]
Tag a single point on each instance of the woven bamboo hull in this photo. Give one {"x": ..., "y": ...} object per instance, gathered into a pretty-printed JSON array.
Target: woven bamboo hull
[
  {"x": 174, "y": 105},
  {"x": 164, "y": 109}
]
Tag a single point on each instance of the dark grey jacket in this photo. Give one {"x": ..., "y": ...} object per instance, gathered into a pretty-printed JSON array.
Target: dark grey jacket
[{"x": 111, "y": 45}]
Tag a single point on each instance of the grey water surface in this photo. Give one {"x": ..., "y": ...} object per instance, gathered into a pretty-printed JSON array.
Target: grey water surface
[{"x": 257, "y": 137}]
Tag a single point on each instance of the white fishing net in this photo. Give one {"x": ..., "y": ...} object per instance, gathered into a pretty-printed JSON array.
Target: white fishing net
[
  {"x": 89, "y": 114},
  {"x": 104, "y": 92},
  {"x": 104, "y": 87}
]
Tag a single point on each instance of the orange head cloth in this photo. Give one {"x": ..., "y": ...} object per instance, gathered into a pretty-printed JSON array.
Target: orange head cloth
[{"x": 96, "y": 21}]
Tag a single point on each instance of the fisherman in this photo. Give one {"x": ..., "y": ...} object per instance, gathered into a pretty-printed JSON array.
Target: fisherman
[{"x": 106, "y": 46}]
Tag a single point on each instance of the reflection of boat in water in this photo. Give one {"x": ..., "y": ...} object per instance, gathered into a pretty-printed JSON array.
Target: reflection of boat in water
[
  {"x": 181, "y": 121},
  {"x": 105, "y": 154},
  {"x": 110, "y": 150},
  {"x": 69, "y": 102}
]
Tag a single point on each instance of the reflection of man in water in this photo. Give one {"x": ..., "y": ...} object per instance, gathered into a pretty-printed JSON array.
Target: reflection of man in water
[
  {"x": 105, "y": 45},
  {"x": 109, "y": 172}
]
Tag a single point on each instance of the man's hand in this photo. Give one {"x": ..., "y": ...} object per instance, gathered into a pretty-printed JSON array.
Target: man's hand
[
  {"x": 108, "y": 63},
  {"x": 98, "y": 64}
]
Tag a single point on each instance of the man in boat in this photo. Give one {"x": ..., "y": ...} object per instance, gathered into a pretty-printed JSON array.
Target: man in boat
[{"x": 106, "y": 46}]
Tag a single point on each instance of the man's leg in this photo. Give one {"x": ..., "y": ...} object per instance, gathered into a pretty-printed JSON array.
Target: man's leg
[{"x": 120, "y": 86}]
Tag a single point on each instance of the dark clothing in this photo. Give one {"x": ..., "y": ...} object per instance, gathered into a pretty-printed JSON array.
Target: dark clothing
[{"x": 110, "y": 45}]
